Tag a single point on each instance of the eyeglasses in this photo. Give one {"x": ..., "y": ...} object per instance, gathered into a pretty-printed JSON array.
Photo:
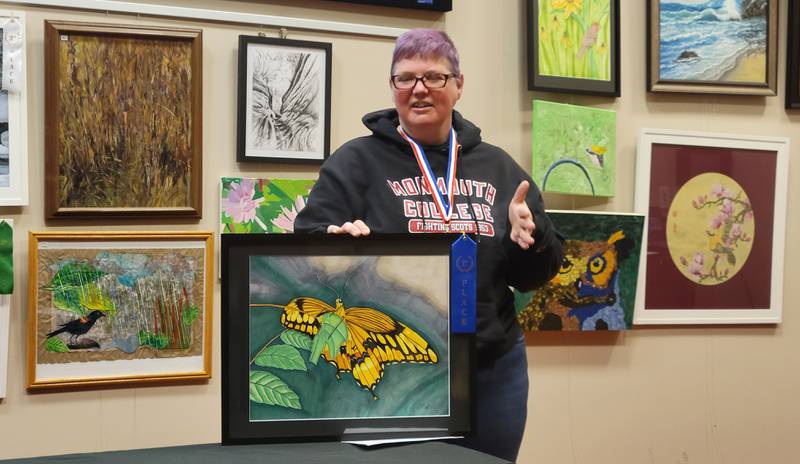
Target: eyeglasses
[{"x": 432, "y": 80}]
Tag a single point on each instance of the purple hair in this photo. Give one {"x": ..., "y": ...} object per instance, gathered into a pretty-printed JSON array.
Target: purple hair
[{"x": 426, "y": 43}]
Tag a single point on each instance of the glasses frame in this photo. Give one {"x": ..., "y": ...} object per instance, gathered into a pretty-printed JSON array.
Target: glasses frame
[{"x": 422, "y": 78}]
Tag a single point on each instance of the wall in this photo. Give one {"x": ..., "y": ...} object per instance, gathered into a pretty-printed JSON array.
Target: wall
[{"x": 658, "y": 395}]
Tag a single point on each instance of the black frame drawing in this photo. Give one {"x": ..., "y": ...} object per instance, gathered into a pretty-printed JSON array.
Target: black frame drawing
[
  {"x": 544, "y": 83},
  {"x": 792, "y": 58},
  {"x": 295, "y": 127},
  {"x": 290, "y": 252}
]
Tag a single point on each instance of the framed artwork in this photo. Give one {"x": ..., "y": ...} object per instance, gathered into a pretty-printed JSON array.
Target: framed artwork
[
  {"x": 793, "y": 58},
  {"x": 284, "y": 100},
  {"x": 595, "y": 287},
  {"x": 118, "y": 145},
  {"x": 119, "y": 308},
  {"x": 261, "y": 206},
  {"x": 433, "y": 5},
  {"x": 716, "y": 219},
  {"x": 14, "y": 116},
  {"x": 720, "y": 47},
  {"x": 330, "y": 337},
  {"x": 574, "y": 149},
  {"x": 573, "y": 46}
]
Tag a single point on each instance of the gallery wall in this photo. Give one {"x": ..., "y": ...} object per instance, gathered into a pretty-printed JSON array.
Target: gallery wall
[{"x": 654, "y": 394}]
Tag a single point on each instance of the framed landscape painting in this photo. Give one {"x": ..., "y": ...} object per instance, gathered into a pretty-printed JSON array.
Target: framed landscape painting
[
  {"x": 118, "y": 308},
  {"x": 716, "y": 219},
  {"x": 595, "y": 287},
  {"x": 329, "y": 337},
  {"x": 14, "y": 115},
  {"x": 124, "y": 121},
  {"x": 573, "y": 46},
  {"x": 712, "y": 46},
  {"x": 261, "y": 206},
  {"x": 793, "y": 57},
  {"x": 574, "y": 149},
  {"x": 284, "y": 108}
]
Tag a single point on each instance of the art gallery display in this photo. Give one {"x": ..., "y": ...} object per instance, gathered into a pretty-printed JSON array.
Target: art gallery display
[
  {"x": 330, "y": 337},
  {"x": 123, "y": 104},
  {"x": 716, "y": 220},
  {"x": 716, "y": 47},
  {"x": 574, "y": 149},
  {"x": 595, "y": 287},
  {"x": 573, "y": 46},
  {"x": 118, "y": 308},
  {"x": 284, "y": 100}
]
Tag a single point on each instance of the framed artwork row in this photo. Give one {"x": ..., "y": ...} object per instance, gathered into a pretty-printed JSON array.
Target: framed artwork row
[
  {"x": 573, "y": 47},
  {"x": 716, "y": 219},
  {"x": 728, "y": 47},
  {"x": 334, "y": 338},
  {"x": 118, "y": 308},
  {"x": 118, "y": 145}
]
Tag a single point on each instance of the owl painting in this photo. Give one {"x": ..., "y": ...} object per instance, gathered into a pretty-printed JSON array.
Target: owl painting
[{"x": 596, "y": 284}]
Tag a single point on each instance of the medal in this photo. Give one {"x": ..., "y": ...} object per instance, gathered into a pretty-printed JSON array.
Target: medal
[{"x": 444, "y": 202}]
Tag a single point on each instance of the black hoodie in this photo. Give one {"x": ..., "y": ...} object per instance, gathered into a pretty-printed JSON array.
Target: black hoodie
[{"x": 376, "y": 179}]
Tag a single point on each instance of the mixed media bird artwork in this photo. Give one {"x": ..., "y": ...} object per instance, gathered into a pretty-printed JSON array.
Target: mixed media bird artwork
[{"x": 77, "y": 327}]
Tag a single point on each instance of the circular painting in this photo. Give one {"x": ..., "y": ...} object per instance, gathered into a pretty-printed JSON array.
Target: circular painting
[{"x": 710, "y": 228}]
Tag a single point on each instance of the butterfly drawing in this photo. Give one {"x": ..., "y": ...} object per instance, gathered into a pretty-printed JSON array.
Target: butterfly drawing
[{"x": 358, "y": 340}]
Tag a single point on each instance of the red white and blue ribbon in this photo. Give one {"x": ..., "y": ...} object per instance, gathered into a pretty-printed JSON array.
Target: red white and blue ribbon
[{"x": 444, "y": 203}]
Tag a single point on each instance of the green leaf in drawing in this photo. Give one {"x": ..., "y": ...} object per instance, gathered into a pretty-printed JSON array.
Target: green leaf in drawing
[
  {"x": 283, "y": 357},
  {"x": 56, "y": 345},
  {"x": 296, "y": 339},
  {"x": 332, "y": 333},
  {"x": 266, "y": 388}
]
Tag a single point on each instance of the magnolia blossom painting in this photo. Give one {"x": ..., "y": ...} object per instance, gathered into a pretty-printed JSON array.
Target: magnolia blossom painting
[
  {"x": 710, "y": 228},
  {"x": 261, "y": 206}
]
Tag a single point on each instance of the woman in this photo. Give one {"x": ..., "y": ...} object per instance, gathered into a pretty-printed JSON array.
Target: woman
[{"x": 377, "y": 184}]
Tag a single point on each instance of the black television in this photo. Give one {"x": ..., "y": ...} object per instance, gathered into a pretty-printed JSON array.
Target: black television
[{"x": 431, "y": 5}]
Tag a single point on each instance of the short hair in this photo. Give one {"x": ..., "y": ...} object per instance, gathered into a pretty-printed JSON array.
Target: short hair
[{"x": 426, "y": 43}]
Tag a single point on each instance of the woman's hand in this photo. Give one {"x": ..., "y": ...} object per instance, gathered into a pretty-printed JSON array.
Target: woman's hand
[
  {"x": 356, "y": 228},
  {"x": 520, "y": 217}
]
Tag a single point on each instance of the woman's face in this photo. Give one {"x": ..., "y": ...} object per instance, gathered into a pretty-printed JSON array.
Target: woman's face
[{"x": 426, "y": 113}]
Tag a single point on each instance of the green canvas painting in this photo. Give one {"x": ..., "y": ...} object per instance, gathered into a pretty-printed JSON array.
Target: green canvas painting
[
  {"x": 261, "y": 206},
  {"x": 6, "y": 261},
  {"x": 575, "y": 38},
  {"x": 346, "y": 337},
  {"x": 574, "y": 149},
  {"x": 595, "y": 288}
]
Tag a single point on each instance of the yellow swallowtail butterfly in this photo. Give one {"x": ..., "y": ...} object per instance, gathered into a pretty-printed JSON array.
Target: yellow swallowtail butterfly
[{"x": 373, "y": 339}]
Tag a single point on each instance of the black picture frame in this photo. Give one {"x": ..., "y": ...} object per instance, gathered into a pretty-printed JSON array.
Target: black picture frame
[
  {"x": 574, "y": 85},
  {"x": 295, "y": 79},
  {"x": 792, "y": 58},
  {"x": 430, "y": 5},
  {"x": 298, "y": 264}
]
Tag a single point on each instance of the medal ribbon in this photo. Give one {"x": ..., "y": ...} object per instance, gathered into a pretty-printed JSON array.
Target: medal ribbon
[{"x": 444, "y": 203}]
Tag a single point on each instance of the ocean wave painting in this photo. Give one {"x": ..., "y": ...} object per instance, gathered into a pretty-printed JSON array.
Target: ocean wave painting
[{"x": 713, "y": 40}]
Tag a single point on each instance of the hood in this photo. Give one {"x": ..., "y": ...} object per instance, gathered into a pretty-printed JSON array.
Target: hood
[{"x": 383, "y": 124}]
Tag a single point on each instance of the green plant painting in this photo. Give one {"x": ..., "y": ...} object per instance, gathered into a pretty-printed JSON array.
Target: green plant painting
[
  {"x": 97, "y": 304},
  {"x": 261, "y": 206},
  {"x": 344, "y": 343},
  {"x": 575, "y": 38},
  {"x": 6, "y": 257},
  {"x": 574, "y": 149},
  {"x": 595, "y": 288},
  {"x": 125, "y": 122}
]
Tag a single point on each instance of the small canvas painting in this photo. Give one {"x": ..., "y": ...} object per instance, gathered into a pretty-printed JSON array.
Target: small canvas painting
[
  {"x": 338, "y": 337},
  {"x": 261, "y": 206},
  {"x": 574, "y": 149},
  {"x": 713, "y": 40},
  {"x": 595, "y": 288}
]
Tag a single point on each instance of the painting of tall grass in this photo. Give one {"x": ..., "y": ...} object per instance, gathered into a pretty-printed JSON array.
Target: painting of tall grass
[{"x": 126, "y": 120}]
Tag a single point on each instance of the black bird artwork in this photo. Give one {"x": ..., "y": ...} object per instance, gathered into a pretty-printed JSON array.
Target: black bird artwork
[{"x": 78, "y": 327}]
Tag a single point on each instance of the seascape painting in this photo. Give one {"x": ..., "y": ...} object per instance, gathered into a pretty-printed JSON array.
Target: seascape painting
[
  {"x": 575, "y": 38},
  {"x": 595, "y": 288},
  {"x": 713, "y": 40},
  {"x": 261, "y": 206},
  {"x": 339, "y": 337},
  {"x": 285, "y": 108},
  {"x": 134, "y": 308},
  {"x": 574, "y": 149}
]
